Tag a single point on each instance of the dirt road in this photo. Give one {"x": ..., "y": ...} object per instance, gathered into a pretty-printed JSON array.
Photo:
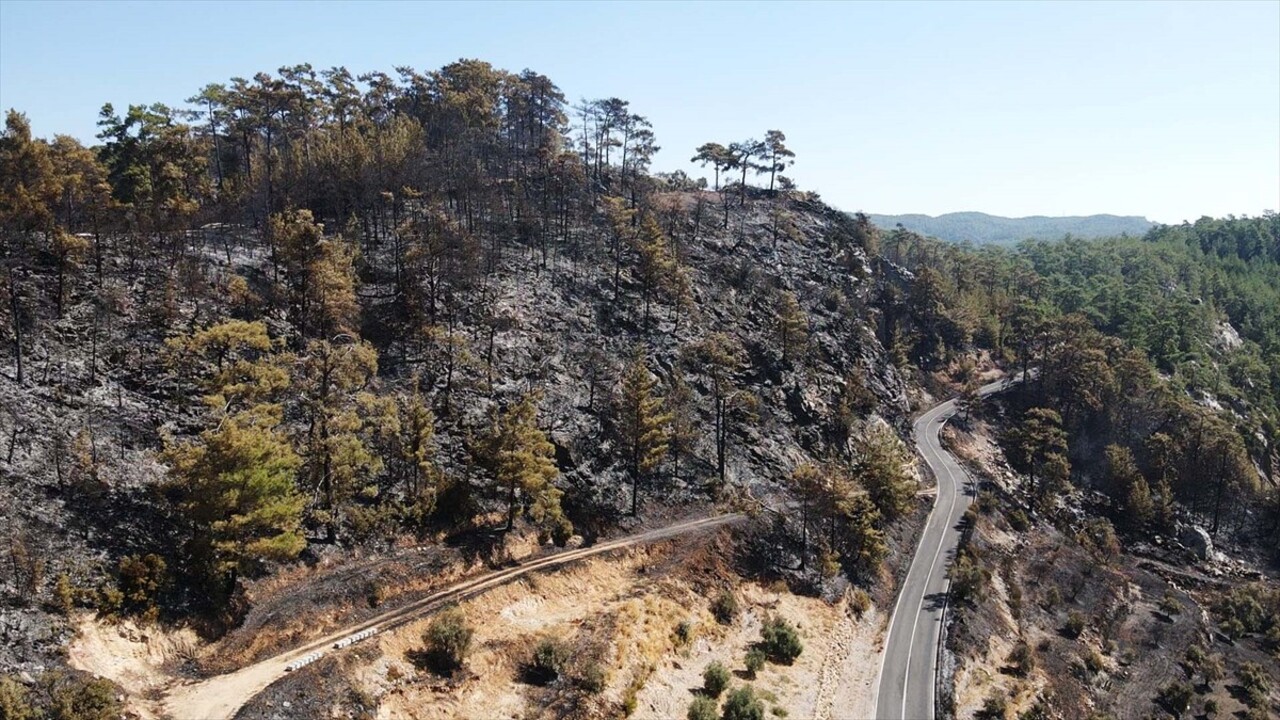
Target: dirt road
[{"x": 219, "y": 697}]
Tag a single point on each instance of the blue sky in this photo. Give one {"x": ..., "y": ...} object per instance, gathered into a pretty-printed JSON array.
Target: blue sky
[{"x": 1169, "y": 110}]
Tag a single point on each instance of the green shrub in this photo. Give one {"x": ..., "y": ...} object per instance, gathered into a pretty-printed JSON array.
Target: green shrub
[
  {"x": 1018, "y": 520},
  {"x": 64, "y": 594},
  {"x": 743, "y": 704},
  {"x": 1093, "y": 661},
  {"x": 780, "y": 641},
  {"x": 684, "y": 632},
  {"x": 110, "y": 600},
  {"x": 1210, "y": 707},
  {"x": 375, "y": 593},
  {"x": 702, "y": 708},
  {"x": 725, "y": 608},
  {"x": 60, "y": 695},
  {"x": 448, "y": 639},
  {"x": 141, "y": 580},
  {"x": 993, "y": 708},
  {"x": 1022, "y": 658},
  {"x": 631, "y": 694},
  {"x": 1175, "y": 697},
  {"x": 859, "y": 602},
  {"x": 1075, "y": 624},
  {"x": 592, "y": 677},
  {"x": 755, "y": 661},
  {"x": 715, "y": 679},
  {"x": 548, "y": 663},
  {"x": 1256, "y": 684},
  {"x": 14, "y": 704},
  {"x": 1169, "y": 604}
]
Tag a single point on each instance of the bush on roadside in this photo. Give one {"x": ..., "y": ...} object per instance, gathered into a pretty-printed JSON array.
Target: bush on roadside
[{"x": 448, "y": 639}]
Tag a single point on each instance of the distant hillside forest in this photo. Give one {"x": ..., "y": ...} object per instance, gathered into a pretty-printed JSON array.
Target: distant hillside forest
[
  {"x": 982, "y": 229},
  {"x": 1163, "y": 350}
]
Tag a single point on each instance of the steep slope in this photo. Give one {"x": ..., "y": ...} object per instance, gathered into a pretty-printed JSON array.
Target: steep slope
[{"x": 85, "y": 441}]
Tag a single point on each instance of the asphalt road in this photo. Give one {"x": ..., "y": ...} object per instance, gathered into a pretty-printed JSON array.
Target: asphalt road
[{"x": 910, "y": 658}]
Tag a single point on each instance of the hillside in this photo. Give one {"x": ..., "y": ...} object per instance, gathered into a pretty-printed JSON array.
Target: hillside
[
  {"x": 319, "y": 346},
  {"x": 248, "y": 357},
  {"x": 982, "y": 229}
]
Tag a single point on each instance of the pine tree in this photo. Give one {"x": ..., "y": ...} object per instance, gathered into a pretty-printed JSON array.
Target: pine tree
[
  {"x": 1037, "y": 446},
  {"x": 882, "y": 464},
  {"x": 235, "y": 364},
  {"x": 1128, "y": 487},
  {"x": 320, "y": 273},
  {"x": 792, "y": 327},
  {"x": 970, "y": 400},
  {"x": 715, "y": 155},
  {"x": 340, "y": 416},
  {"x": 642, "y": 424},
  {"x": 412, "y": 456},
  {"x": 721, "y": 357},
  {"x": 683, "y": 428},
  {"x": 236, "y": 487},
  {"x": 522, "y": 461},
  {"x": 776, "y": 154},
  {"x": 809, "y": 486},
  {"x": 28, "y": 188},
  {"x": 656, "y": 268}
]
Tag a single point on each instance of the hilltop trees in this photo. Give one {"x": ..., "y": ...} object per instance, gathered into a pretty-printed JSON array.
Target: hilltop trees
[
  {"x": 28, "y": 188},
  {"x": 745, "y": 154},
  {"x": 777, "y": 156},
  {"x": 715, "y": 155},
  {"x": 770, "y": 155}
]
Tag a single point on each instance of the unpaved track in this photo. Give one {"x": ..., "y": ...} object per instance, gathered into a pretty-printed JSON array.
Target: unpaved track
[{"x": 219, "y": 697}]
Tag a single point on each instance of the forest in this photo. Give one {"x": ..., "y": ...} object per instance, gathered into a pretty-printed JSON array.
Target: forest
[
  {"x": 312, "y": 311},
  {"x": 1162, "y": 351}
]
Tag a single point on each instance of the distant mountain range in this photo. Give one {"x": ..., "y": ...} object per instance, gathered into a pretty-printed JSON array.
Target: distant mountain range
[{"x": 983, "y": 228}]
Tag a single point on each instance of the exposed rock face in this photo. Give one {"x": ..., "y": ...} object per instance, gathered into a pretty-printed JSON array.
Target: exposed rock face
[{"x": 1197, "y": 540}]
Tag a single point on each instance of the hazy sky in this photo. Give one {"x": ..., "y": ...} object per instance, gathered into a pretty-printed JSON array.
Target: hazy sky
[{"x": 1166, "y": 110}]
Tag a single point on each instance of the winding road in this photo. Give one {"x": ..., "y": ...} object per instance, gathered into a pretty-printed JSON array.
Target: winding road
[
  {"x": 910, "y": 659},
  {"x": 221, "y": 696}
]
